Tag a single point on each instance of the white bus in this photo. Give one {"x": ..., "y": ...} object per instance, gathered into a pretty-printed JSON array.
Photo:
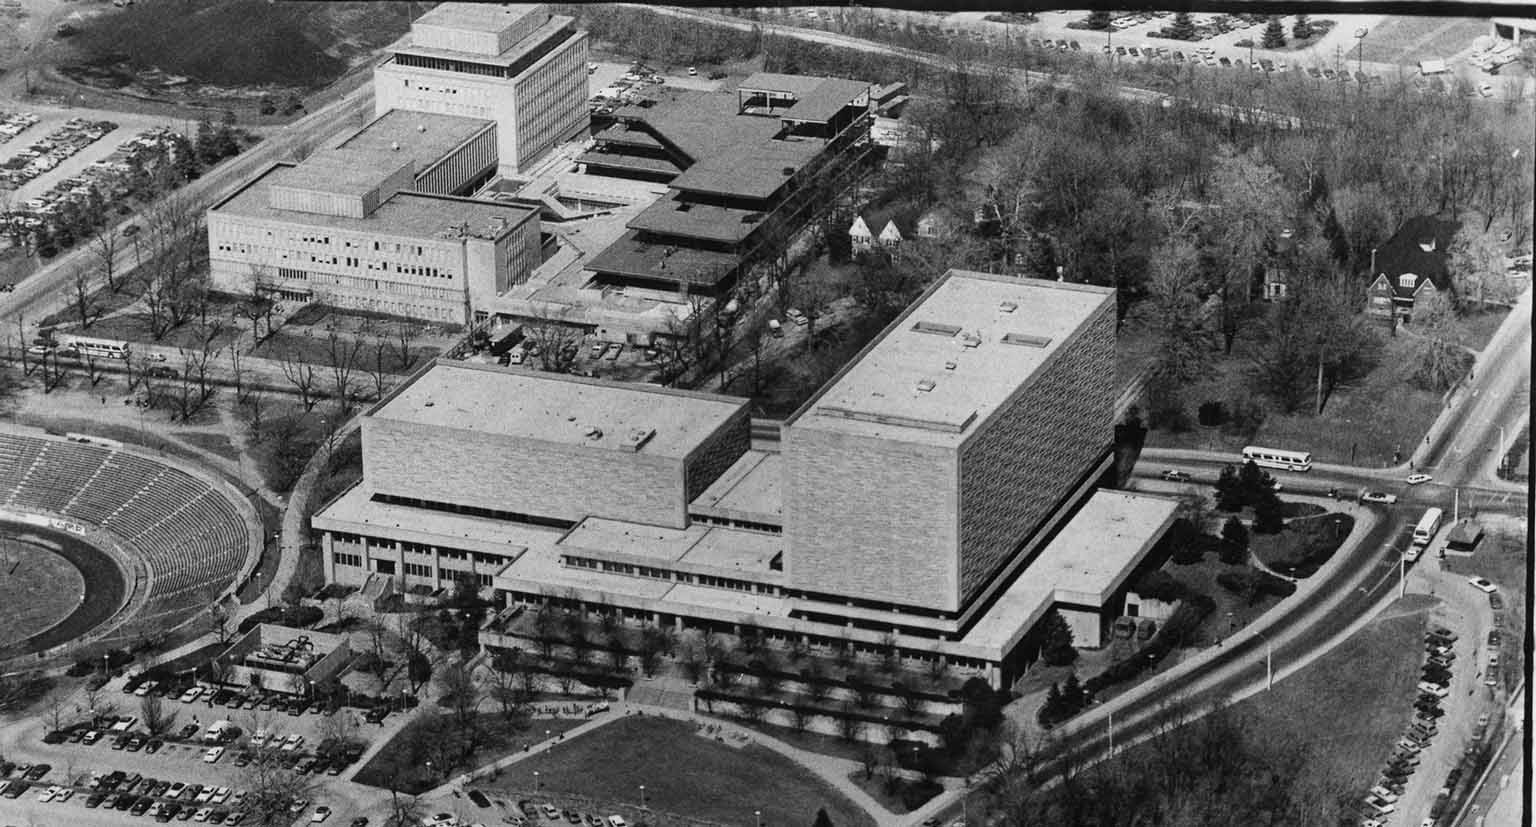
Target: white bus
[
  {"x": 1428, "y": 525},
  {"x": 100, "y": 348},
  {"x": 1276, "y": 458}
]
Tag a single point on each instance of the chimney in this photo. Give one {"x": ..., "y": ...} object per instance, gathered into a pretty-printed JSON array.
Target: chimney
[{"x": 395, "y": 145}]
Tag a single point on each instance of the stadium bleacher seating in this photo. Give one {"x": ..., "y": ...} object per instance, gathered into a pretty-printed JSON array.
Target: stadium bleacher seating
[{"x": 193, "y": 540}]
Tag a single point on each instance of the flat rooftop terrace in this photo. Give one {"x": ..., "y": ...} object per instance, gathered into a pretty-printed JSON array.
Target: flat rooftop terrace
[
  {"x": 356, "y": 512},
  {"x": 952, "y": 358},
  {"x": 558, "y": 408},
  {"x": 698, "y": 548},
  {"x": 407, "y": 215},
  {"x": 1083, "y": 564},
  {"x": 423, "y": 137},
  {"x": 751, "y": 489}
]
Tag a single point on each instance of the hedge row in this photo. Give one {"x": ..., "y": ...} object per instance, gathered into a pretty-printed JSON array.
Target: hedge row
[
  {"x": 1185, "y": 619},
  {"x": 851, "y": 682},
  {"x": 1259, "y": 582},
  {"x": 710, "y": 694}
]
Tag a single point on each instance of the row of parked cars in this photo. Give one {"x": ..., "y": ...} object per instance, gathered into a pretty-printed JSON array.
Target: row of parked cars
[
  {"x": 107, "y": 177},
  {"x": 14, "y": 123},
  {"x": 51, "y": 150},
  {"x": 134, "y": 794},
  {"x": 533, "y": 812},
  {"x": 1440, "y": 656}
]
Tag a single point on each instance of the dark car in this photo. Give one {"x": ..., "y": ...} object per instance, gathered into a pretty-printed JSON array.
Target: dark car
[
  {"x": 1495, "y": 602},
  {"x": 528, "y": 808},
  {"x": 479, "y": 798},
  {"x": 188, "y": 731},
  {"x": 94, "y": 800},
  {"x": 15, "y": 789},
  {"x": 572, "y": 816},
  {"x": 77, "y": 735},
  {"x": 37, "y": 772},
  {"x": 376, "y": 716},
  {"x": 55, "y": 737},
  {"x": 153, "y": 746}
]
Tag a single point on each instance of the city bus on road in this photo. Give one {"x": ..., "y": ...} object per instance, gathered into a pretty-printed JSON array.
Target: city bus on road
[
  {"x": 1428, "y": 525},
  {"x": 1278, "y": 458},
  {"x": 98, "y": 348}
]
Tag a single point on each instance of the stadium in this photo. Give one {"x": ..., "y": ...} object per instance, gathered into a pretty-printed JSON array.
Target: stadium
[{"x": 107, "y": 544}]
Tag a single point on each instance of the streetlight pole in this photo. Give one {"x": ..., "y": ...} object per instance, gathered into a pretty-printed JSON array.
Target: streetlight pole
[
  {"x": 758, "y": 816},
  {"x": 537, "y": 783},
  {"x": 1111, "y": 734},
  {"x": 642, "y": 796}
]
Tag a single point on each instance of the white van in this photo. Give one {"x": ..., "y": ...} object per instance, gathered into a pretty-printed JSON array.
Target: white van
[{"x": 616, "y": 821}]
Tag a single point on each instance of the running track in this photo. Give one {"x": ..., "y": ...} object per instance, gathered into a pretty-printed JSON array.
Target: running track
[{"x": 104, "y": 590}]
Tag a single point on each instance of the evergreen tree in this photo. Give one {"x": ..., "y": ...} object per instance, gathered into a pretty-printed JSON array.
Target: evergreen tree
[
  {"x": 1268, "y": 517},
  {"x": 1253, "y": 483},
  {"x": 1274, "y": 35},
  {"x": 1303, "y": 28},
  {"x": 203, "y": 143},
  {"x": 822, "y": 819},
  {"x": 184, "y": 158},
  {"x": 1229, "y": 492},
  {"x": 1073, "y": 696},
  {"x": 1234, "y": 542},
  {"x": 1058, "y": 649},
  {"x": 1052, "y": 710},
  {"x": 1099, "y": 20},
  {"x": 1182, "y": 28}
]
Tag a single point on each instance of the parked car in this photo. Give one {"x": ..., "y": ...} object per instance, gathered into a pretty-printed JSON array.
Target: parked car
[
  {"x": 1378, "y": 497},
  {"x": 1418, "y": 479},
  {"x": 1482, "y": 585},
  {"x": 1173, "y": 475}
]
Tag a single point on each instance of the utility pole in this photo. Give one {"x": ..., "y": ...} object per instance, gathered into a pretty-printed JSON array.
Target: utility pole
[{"x": 1319, "y": 381}]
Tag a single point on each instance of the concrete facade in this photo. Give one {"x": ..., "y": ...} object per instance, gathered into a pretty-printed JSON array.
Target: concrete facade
[{"x": 521, "y": 67}]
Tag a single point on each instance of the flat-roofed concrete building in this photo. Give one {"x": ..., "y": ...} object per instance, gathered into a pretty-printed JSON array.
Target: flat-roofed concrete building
[
  {"x": 940, "y": 491},
  {"x": 516, "y": 64},
  {"x": 920, "y": 472},
  {"x": 354, "y": 236}
]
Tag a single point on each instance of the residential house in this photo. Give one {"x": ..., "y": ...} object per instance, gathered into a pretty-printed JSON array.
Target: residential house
[
  {"x": 1277, "y": 272},
  {"x": 939, "y": 223},
  {"x": 885, "y": 227},
  {"x": 1412, "y": 265}
]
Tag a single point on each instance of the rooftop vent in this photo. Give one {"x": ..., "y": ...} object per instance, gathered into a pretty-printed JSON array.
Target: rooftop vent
[
  {"x": 1025, "y": 339},
  {"x": 925, "y": 385},
  {"x": 592, "y": 432},
  {"x": 636, "y": 438},
  {"x": 950, "y": 365},
  {"x": 970, "y": 340},
  {"x": 395, "y": 145},
  {"x": 421, "y": 127},
  {"x": 1008, "y": 307},
  {"x": 936, "y": 328}
]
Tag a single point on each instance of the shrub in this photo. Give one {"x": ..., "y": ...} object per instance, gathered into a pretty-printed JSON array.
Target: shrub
[{"x": 1212, "y": 414}]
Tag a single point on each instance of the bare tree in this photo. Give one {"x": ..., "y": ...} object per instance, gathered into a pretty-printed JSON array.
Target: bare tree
[
  {"x": 271, "y": 786},
  {"x": 556, "y": 339},
  {"x": 82, "y": 296},
  {"x": 343, "y": 355},
  {"x": 157, "y": 719},
  {"x": 104, "y": 244},
  {"x": 405, "y": 338},
  {"x": 377, "y": 369},
  {"x": 302, "y": 376}
]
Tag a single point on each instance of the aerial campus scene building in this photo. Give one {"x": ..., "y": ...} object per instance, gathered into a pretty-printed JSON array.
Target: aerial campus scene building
[{"x": 523, "y": 433}]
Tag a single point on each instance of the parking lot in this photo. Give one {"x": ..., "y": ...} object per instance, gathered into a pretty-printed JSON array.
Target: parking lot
[
  {"x": 51, "y": 118},
  {"x": 207, "y": 745}
]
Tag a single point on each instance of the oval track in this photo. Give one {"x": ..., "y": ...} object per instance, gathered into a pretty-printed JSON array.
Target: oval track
[{"x": 104, "y": 589}]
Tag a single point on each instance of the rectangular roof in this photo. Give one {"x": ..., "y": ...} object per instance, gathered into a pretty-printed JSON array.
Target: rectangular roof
[
  {"x": 560, "y": 408},
  {"x": 629, "y": 256},
  {"x": 1083, "y": 564},
  {"x": 716, "y": 550},
  {"x": 409, "y": 215},
  {"x": 339, "y": 172},
  {"x": 952, "y": 358},
  {"x": 356, "y": 512},
  {"x": 484, "y": 17},
  {"x": 751, "y": 489},
  {"x": 674, "y": 216},
  {"x": 818, "y": 98},
  {"x": 422, "y": 137}
]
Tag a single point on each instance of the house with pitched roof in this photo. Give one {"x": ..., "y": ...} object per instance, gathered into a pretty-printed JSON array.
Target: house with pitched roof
[
  {"x": 1412, "y": 265},
  {"x": 884, "y": 227}
]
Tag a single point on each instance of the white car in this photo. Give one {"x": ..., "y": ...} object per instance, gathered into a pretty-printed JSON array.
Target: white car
[
  {"x": 1482, "y": 585},
  {"x": 213, "y": 755},
  {"x": 47, "y": 795},
  {"x": 220, "y": 795},
  {"x": 203, "y": 814},
  {"x": 292, "y": 742},
  {"x": 1412, "y": 554},
  {"x": 64, "y": 794},
  {"x": 145, "y": 688},
  {"x": 1433, "y": 689},
  {"x": 190, "y": 695},
  {"x": 321, "y": 814},
  {"x": 1485, "y": 89},
  {"x": 1418, "y": 479},
  {"x": 259, "y": 739},
  {"x": 448, "y": 819},
  {"x": 1378, "y": 497},
  {"x": 794, "y": 315},
  {"x": 1384, "y": 794}
]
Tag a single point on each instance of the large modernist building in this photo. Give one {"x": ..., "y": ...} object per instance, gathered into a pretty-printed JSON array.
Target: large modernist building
[
  {"x": 940, "y": 490},
  {"x": 515, "y": 64},
  {"x": 373, "y": 224}
]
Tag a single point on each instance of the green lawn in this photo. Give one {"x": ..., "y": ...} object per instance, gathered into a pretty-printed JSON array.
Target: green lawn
[
  {"x": 684, "y": 774},
  {"x": 1233, "y": 612},
  {"x": 1304, "y": 545},
  {"x": 1362, "y": 425},
  {"x": 39, "y": 590},
  {"x": 505, "y": 738},
  {"x": 1348, "y": 706}
]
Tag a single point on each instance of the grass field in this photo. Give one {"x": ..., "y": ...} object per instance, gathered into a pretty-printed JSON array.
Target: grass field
[
  {"x": 1303, "y": 546},
  {"x": 685, "y": 774},
  {"x": 504, "y": 739},
  {"x": 1408, "y": 40},
  {"x": 1233, "y": 612},
  {"x": 37, "y": 589}
]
